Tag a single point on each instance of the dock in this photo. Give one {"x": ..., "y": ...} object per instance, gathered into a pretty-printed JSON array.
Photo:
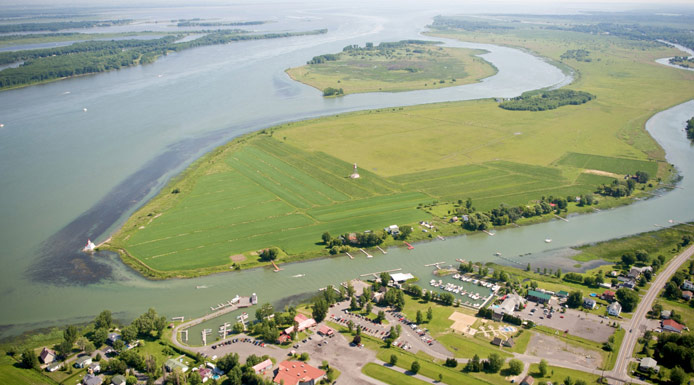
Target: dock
[
  {"x": 378, "y": 273},
  {"x": 382, "y": 251},
  {"x": 276, "y": 267},
  {"x": 184, "y": 332},
  {"x": 180, "y": 318},
  {"x": 349, "y": 255},
  {"x": 409, "y": 247},
  {"x": 489, "y": 233},
  {"x": 563, "y": 219},
  {"x": 460, "y": 260},
  {"x": 365, "y": 253},
  {"x": 434, "y": 264}
]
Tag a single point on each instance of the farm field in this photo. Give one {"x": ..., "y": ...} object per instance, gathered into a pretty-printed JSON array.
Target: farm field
[
  {"x": 403, "y": 67},
  {"x": 285, "y": 186}
]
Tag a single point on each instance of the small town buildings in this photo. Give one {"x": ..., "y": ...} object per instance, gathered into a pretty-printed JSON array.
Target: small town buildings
[
  {"x": 263, "y": 366},
  {"x": 563, "y": 294},
  {"x": 205, "y": 373},
  {"x": 118, "y": 380},
  {"x": 687, "y": 295},
  {"x": 95, "y": 367},
  {"x": 539, "y": 297},
  {"x": 511, "y": 303},
  {"x": 672, "y": 326},
  {"x": 47, "y": 356},
  {"x": 509, "y": 343},
  {"x": 589, "y": 303},
  {"x": 326, "y": 331},
  {"x": 606, "y": 285},
  {"x": 83, "y": 362},
  {"x": 628, "y": 284},
  {"x": 665, "y": 314},
  {"x": 112, "y": 338},
  {"x": 283, "y": 338},
  {"x": 614, "y": 309},
  {"x": 53, "y": 367},
  {"x": 297, "y": 373},
  {"x": 172, "y": 364},
  {"x": 497, "y": 341},
  {"x": 393, "y": 230},
  {"x": 303, "y": 323},
  {"x": 608, "y": 295},
  {"x": 687, "y": 285},
  {"x": 528, "y": 380},
  {"x": 90, "y": 379},
  {"x": 647, "y": 364}
]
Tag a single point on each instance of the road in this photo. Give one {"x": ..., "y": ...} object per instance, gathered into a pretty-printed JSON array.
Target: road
[{"x": 638, "y": 319}]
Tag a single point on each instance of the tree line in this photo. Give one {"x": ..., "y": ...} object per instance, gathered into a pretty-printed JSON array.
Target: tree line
[
  {"x": 99, "y": 56},
  {"x": 59, "y": 25},
  {"x": 547, "y": 100},
  {"x": 690, "y": 128}
]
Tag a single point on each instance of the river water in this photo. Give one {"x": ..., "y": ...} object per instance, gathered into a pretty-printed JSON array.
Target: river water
[{"x": 70, "y": 174}]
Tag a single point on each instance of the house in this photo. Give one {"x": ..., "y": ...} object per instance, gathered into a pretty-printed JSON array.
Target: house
[
  {"x": 538, "y": 297},
  {"x": 283, "y": 338},
  {"x": 112, "y": 338},
  {"x": 393, "y": 230},
  {"x": 687, "y": 285},
  {"x": 606, "y": 285},
  {"x": 95, "y": 367},
  {"x": 509, "y": 343},
  {"x": 400, "y": 277},
  {"x": 563, "y": 294},
  {"x": 648, "y": 364},
  {"x": 53, "y": 367},
  {"x": 614, "y": 274},
  {"x": 263, "y": 366},
  {"x": 628, "y": 285},
  {"x": 634, "y": 273},
  {"x": 511, "y": 303},
  {"x": 665, "y": 314},
  {"x": 497, "y": 341},
  {"x": 303, "y": 323},
  {"x": 687, "y": 295},
  {"x": 608, "y": 295},
  {"x": 90, "y": 379},
  {"x": 172, "y": 364},
  {"x": 83, "y": 362},
  {"x": 326, "y": 331},
  {"x": 297, "y": 373},
  {"x": 672, "y": 326},
  {"x": 205, "y": 373},
  {"x": 47, "y": 356},
  {"x": 118, "y": 380},
  {"x": 454, "y": 220},
  {"x": 528, "y": 380},
  {"x": 614, "y": 309},
  {"x": 589, "y": 303}
]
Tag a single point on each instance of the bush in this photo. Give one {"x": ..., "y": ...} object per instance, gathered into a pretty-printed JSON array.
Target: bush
[{"x": 415, "y": 367}]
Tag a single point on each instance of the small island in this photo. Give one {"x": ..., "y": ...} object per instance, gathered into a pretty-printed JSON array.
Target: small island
[
  {"x": 391, "y": 67},
  {"x": 683, "y": 61}
]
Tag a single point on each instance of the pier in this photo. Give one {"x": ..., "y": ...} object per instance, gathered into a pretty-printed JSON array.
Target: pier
[
  {"x": 409, "y": 247},
  {"x": 376, "y": 274},
  {"x": 434, "y": 264},
  {"x": 365, "y": 253},
  {"x": 239, "y": 303},
  {"x": 489, "y": 233},
  {"x": 563, "y": 219},
  {"x": 276, "y": 267},
  {"x": 349, "y": 255},
  {"x": 382, "y": 251},
  {"x": 180, "y": 318}
]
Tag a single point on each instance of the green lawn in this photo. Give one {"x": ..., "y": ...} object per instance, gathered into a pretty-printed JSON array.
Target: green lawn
[
  {"x": 557, "y": 375},
  {"x": 11, "y": 374},
  {"x": 389, "y": 376},
  {"x": 451, "y": 376},
  {"x": 410, "y": 67}
]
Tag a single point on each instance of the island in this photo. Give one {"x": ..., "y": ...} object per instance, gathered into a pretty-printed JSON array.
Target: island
[{"x": 392, "y": 66}]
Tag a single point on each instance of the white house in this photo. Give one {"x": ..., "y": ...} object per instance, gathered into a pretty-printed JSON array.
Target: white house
[
  {"x": 614, "y": 309},
  {"x": 687, "y": 285}
]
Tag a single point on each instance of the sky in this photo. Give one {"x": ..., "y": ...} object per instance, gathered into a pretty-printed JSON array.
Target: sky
[{"x": 114, "y": 3}]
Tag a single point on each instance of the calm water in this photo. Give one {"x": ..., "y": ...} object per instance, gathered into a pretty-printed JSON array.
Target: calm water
[{"x": 69, "y": 174}]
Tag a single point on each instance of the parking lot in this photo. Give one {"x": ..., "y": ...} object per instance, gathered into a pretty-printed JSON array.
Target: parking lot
[{"x": 574, "y": 322}]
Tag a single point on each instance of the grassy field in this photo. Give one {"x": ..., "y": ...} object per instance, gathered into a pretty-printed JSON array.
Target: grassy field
[
  {"x": 405, "y": 68},
  {"x": 287, "y": 185},
  {"x": 557, "y": 375},
  {"x": 12, "y": 374},
  {"x": 389, "y": 376}
]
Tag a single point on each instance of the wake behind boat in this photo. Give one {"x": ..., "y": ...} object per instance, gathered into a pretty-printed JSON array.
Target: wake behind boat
[{"x": 89, "y": 247}]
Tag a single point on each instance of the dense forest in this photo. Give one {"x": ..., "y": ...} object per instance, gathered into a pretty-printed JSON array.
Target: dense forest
[
  {"x": 441, "y": 22},
  {"x": 59, "y": 25},
  {"x": 370, "y": 49},
  {"x": 547, "y": 100},
  {"x": 190, "y": 23},
  {"x": 99, "y": 56}
]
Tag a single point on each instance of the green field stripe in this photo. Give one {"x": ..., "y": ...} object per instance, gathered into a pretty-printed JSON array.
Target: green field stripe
[
  {"x": 368, "y": 203},
  {"x": 264, "y": 181},
  {"x": 527, "y": 169},
  {"x": 593, "y": 180},
  {"x": 447, "y": 172},
  {"x": 311, "y": 184},
  {"x": 608, "y": 163},
  {"x": 332, "y": 172}
]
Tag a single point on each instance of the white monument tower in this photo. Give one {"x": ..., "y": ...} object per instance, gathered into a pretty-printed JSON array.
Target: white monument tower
[{"x": 355, "y": 174}]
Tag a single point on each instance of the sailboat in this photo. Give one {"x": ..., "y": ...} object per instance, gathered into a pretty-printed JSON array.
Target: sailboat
[
  {"x": 548, "y": 240},
  {"x": 89, "y": 247}
]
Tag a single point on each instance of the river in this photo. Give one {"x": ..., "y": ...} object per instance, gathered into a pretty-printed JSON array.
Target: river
[{"x": 70, "y": 174}]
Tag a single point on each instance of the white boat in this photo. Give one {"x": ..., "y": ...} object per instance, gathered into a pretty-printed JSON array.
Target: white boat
[
  {"x": 201, "y": 287},
  {"x": 498, "y": 254},
  {"x": 548, "y": 240},
  {"x": 298, "y": 275},
  {"x": 89, "y": 247},
  {"x": 84, "y": 109},
  {"x": 2, "y": 125}
]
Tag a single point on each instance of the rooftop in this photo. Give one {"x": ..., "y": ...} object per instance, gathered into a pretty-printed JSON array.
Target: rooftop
[{"x": 293, "y": 372}]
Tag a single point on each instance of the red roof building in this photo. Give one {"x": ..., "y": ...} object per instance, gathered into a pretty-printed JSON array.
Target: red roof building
[
  {"x": 297, "y": 373},
  {"x": 326, "y": 330},
  {"x": 303, "y": 322},
  {"x": 284, "y": 338},
  {"x": 608, "y": 295},
  {"x": 672, "y": 326}
]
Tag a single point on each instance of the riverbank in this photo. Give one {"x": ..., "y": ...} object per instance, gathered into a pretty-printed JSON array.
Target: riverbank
[{"x": 311, "y": 159}]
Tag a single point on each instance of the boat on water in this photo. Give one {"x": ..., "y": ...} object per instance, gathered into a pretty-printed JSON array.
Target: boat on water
[
  {"x": 84, "y": 109},
  {"x": 548, "y": 240},
  {"x": 201, "y": 287},
  {"x": 498, "y": 254},
  {"x": 2, "y": 125},
  {"x": 298, "y": 275},
  {"x": 89, "y": 247}
]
